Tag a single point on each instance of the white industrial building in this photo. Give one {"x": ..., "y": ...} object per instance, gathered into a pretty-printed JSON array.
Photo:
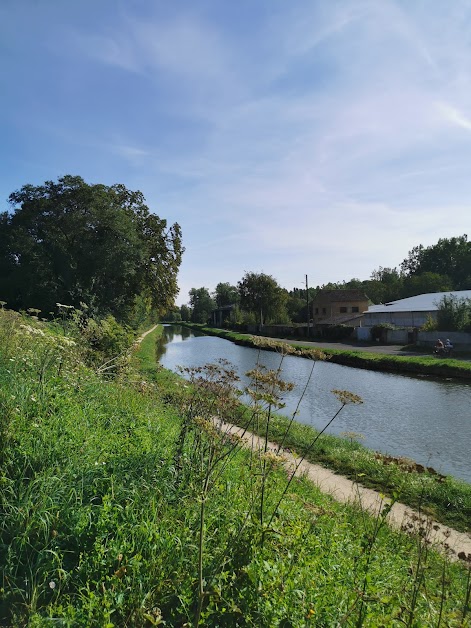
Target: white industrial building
[{"x": 410, "y": 312}]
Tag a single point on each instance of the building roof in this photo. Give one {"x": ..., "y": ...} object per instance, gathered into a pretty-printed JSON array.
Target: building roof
[
  {"x": 421, "y": 303},
  {"x": 335, "y": 296}
]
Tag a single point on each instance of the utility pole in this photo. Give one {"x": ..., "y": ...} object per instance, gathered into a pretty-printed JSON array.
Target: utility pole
[{"x": 308, "y": 313}]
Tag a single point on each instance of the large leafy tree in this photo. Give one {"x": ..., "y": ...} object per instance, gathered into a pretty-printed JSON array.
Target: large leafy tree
[
  {"x": 201, "y": 305},
  {"x": 425, "y": 283},
  {"x": 450, "y": 257},
  {"x": 261, "y": 295},
  {"x": 72, "y": 242},
  {"x": 225, "y": 294}
]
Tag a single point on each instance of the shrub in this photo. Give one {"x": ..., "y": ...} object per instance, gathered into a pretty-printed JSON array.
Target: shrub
[
  {"x": 430, "y": 324},
  {"x": 454, "y": 314}
]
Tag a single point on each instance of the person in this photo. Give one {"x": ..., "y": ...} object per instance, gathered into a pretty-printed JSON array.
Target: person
[
  {"x": 448, "y": 346},
  {"x": 439, "y": 347}
]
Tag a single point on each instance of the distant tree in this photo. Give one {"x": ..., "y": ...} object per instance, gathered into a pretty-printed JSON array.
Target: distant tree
[
  {"x": 225, "y": 294},
  {"x": 261, "y": 295},
  {"x": 391, "y": 283},
  {"x": 173, "y": 315},
  {"x": 375, "y": 290},
  {"x": 71, "y": 242},
  {"x": 353, "y": 284},
  {"x": 450, "y": 257},
  {"x": 185, "y": 313},
  {"x": 296, "y": 308},
  {"x": 425, "y": 283},
  {"x": 411, "y": 265},
  {"x": 201, "y": 305},
  {"x": 296, "y": 304}
]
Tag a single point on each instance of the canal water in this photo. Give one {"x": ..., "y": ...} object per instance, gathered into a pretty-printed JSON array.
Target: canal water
[{"x": 426, "y": 420}]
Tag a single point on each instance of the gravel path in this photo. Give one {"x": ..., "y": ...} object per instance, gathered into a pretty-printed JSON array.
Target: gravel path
[{"x": 457, "y": 545}]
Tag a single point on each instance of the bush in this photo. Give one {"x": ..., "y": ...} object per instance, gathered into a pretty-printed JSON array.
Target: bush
[
  {"x": 107, "y": 336},
  {"x": 454, "y": 314},
  {"x": 430, "y": 324}
]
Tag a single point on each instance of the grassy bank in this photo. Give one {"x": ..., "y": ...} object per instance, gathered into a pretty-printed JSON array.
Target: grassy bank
[
  {"x": 414, "y": 365},
  {"x": 445, "y": 498},
  {"x": 120, "y": 508}
]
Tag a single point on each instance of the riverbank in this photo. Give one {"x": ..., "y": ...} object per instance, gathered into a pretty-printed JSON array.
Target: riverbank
[
  {"x": 122, "y": 507},
  {"x": 444, "y": 498},
  {"x": 361, "y": 357}
]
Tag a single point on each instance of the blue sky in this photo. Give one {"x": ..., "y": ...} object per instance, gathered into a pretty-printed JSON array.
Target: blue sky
[{"x": 306, "y": 137}]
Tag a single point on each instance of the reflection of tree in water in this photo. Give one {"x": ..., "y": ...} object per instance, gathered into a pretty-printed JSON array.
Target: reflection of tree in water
[
  {"x": 168, "y": 334},
  {"x": 171, "y": 333},
  {"x": 186, "y": 333},
  {"x": 161, "y": 347}
]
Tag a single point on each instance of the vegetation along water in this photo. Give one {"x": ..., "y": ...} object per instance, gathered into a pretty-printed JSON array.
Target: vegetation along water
[
  {"x": 122, "y": 505},
  {"x": 424, "y": 419}
]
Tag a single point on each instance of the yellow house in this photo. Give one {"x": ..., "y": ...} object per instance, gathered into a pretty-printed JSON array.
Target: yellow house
[{"x": 339, "y": 307}]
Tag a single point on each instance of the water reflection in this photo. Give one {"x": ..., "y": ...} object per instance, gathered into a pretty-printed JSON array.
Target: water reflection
[
  {"x": 172, "y": 334},
  {"x": 428, "y": 421}
]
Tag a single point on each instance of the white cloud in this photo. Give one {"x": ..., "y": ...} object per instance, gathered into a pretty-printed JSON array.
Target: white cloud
[{"x": 453, "y": 115}]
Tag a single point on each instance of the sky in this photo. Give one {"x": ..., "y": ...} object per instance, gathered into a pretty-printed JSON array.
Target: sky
[{"x": 310, "y": 137}]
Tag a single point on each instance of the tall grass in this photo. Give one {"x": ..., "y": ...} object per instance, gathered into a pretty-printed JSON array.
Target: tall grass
[{"x": 111, "y": 517}]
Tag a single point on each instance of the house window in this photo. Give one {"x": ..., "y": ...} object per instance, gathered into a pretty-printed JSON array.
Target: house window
[
  {"x": 355, "y": 308},
  {"x": 317, "y": 310},
  {"x": 324, "y": 311},
  {"x": 343, "y": 310}
]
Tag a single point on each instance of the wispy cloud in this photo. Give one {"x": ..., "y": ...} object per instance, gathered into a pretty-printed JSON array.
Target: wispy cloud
[{"x": 454, "y": 116}]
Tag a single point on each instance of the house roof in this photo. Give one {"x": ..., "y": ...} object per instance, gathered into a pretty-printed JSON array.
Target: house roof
[
  {"x": 421, "y": 303},
  {"x": 335, "y": 296}
]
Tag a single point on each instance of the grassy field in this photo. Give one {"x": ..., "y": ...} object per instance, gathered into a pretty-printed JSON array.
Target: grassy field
[{"x": 121, "y": 505}]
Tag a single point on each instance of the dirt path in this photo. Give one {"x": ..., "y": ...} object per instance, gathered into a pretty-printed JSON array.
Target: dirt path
[
  {"x": 456, "y": 544},
  {"x": 142, "y": 336}
]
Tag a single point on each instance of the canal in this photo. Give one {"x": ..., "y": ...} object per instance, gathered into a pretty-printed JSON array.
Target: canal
[{"x": 422, "y": 419}]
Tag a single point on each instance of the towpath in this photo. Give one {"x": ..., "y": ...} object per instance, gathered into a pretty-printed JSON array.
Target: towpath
[{"x": 457, "y": 545}]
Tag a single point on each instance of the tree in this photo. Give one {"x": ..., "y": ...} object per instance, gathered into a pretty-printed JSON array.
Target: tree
[
  {"x": 225, "y": 294},
  {"x": 296, "y": 307},
  {"x": 201, "y": 305},
  {"x": 425, "y": 283},
  {"x": 261, "y": 295},
  {"x": 450, "y": 257},
  {"x": 185, "y": 313},
  {"x": 390, "y": 281},
  {"x": 173, "y": 315},
  {"x": 72, "y": 242}
]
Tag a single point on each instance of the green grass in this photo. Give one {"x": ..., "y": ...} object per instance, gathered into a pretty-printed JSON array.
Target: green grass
[
  {"x": 100, "y": 528},
  {"x": 145, "y": 356}
]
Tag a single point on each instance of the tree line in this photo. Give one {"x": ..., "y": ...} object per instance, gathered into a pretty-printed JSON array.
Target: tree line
[{"x": 258, "y": 298}]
